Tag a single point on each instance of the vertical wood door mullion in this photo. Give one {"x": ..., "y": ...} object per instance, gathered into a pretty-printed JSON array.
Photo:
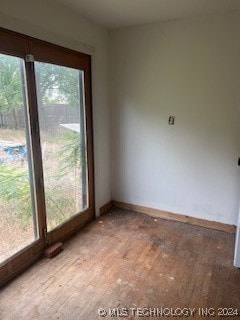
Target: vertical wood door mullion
[{"x": 36, "y": 150}]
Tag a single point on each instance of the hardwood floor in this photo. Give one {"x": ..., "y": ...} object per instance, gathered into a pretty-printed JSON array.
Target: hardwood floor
[{"x": 129, "y": 260}]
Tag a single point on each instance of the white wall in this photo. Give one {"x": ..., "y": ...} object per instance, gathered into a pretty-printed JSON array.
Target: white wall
[
  {"x": 47, "y": 21},
  {"x": 189, "y": 69}
]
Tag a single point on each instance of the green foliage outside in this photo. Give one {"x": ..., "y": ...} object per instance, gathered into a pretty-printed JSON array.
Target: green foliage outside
[
  {"x": 55, "y": 85},
  {"x": 15, "y": 189},
  {"x": 10, "y": 84},
  {"x": 70, "y": 154},
  {"x": 15, "y": 186},
  {"x": 11, "y": 95}
]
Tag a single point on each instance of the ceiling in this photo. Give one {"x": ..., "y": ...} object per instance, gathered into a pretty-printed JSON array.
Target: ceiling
[{"x": 122, "y": 13}]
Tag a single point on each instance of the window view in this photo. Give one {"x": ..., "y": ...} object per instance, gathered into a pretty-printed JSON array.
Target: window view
[
  {"x": 63, "y": 142},
  {"x": 17, "y": 213}
]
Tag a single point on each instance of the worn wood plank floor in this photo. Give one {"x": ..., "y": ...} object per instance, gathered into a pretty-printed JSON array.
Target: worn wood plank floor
[{"x": 131, "y": 260}]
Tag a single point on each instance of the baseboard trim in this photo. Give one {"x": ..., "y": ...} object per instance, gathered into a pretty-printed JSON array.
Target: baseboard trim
[
  {"x": 104, "y": 209},
  {"x": 175, "y": 217}
]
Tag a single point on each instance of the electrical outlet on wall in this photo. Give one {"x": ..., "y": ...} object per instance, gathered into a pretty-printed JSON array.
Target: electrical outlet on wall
[{"x": 171, "y": 120}]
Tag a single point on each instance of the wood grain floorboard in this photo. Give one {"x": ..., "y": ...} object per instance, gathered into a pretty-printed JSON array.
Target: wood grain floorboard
[{"x": 128, "y": 260}]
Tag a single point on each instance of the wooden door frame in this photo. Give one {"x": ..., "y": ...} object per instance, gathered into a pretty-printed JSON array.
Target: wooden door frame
[{"x": 19, "y": 45}]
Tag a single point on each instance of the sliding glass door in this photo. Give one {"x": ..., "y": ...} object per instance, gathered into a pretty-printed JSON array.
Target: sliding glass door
[
  {"x": 46, "y": 148},
  {"x": 61, "y": 111}
]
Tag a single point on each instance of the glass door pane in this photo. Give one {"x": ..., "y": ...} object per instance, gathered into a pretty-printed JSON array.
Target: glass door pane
[
  {"x": 61, "y": 115},
  {"x": 17, "y": 208}
]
